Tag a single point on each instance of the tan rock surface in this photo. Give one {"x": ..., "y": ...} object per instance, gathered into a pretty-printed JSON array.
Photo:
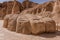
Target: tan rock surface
[
  {"x": 12, "y": 22},
  {"x": 23, "y": 25},
  {"x": 6, "y": 18}
]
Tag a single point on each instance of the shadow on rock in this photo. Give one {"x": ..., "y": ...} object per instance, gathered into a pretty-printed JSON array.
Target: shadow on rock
[{"x": 50, "y": 35}]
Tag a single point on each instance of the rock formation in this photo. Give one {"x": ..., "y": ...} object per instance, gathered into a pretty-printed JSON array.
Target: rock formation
[
  {"x": 28, "y": 4},
  {"x": 29, "y": 17},
  {"x": 29, "y": 23},
  {"x": 12, "y": 22},
  {"x": 38, "y": 8},
  {"x": 56, "y": 12}
]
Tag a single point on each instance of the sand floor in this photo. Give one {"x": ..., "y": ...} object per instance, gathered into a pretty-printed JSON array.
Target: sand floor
[{"x": 8, "y": 35}]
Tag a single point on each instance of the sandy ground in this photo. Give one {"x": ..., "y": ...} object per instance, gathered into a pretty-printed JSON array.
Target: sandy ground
[{"x": 8, "y": 35}]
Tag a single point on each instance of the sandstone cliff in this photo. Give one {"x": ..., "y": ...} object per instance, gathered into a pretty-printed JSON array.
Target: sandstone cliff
[{"x": 25, "y": 7}]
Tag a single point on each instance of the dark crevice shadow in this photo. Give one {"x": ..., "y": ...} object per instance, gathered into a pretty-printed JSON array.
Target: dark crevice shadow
[
  {"x": 58, "y": 33},
  {"x": 49, "y": 35}
]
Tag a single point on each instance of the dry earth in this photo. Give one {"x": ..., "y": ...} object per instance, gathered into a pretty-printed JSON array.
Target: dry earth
[{"x": 8, "y": 35}]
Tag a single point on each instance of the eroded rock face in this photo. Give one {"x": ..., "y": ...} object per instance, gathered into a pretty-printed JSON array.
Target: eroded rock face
[
  {"x": 29, "y": 23},
  {"x": 56, "y": 12},
  {"x": 37, "y": 25},
  {"x": 38, "y": 8},
  {"x": 28, "y": 4},
  {"x": 23, "y": 25},
  {"x": 49, "y": 6},
  {"x": 9, "y": 7},
  {"x": 12, "y": 22},
  {"x": 6, "y": 18},
  {"x": 2, "y": 10},
  {"x": 50, "y": 25},
  {"x": 24, "y": 8},
  {"x": 6, "y": 8},
  {"x": 16, "y": 8}
]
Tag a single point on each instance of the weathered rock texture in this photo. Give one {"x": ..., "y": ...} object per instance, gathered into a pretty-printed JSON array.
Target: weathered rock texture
[
  {"x": 3, "y": 8},
  {"x": 6, "y": 18},
  {"x": 33, "y": 18},
  {"x": 38, "y": 8},
  {"x": 37, "y": 25},
  {"x": 12, "y": 22},
  {"x": 23, "y": 25},
  {"x": 49, "y": 6},
  {"x": 56, "y": 12},
  {"x": 17, "y": 8},
  {"x": 29, "y": 23},
  {"x": 6, "y": 7},
  {"x": 24, "y": 7},
  {"x": 28, "y": 4},
  {"x": 50, "y": 25}
]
